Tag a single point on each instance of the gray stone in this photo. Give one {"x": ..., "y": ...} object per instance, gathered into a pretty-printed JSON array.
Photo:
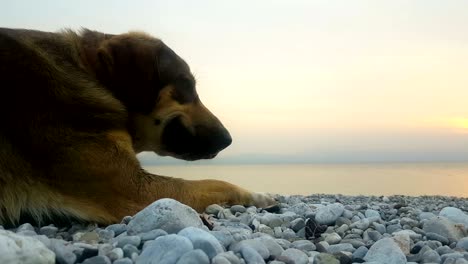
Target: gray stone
[
  {"x": 342, "y": 221},
  {"x": 128, "y": 240},
  {"x": 271, "y": 220},
  {"x": 444, "y": 227},
  {"x": 164, "y": 250},
  {"x": 128, "y": 250},
  {"x": 48, "y": 231},
  {"x": 430, "y": 257},
  {"x": 123, "y": 261},
  {"x": 437, "y": 237},
  {"x": 372, "y": 213},
  {"x": 332, "y": 238},
  {"x": 324, "y": 258},
  {"x": 238, "y": 209},
  {"x": 252, "y": 243},
  {"x": 202, "y": 240},
  {"x": 25, "y": 227},
  {"x": 105, "y": 235},
  {"x": 296, "y": 255},
  {"x": 273, "y": 247},
  {"x": 213, "y": 209},
  {"x": 394, "y": 228},
  {"x": 374, "y": 235},
  {"x": 196, "y": 256},
  {"x": 463, "y": 243},
  {"x": 455, "y": 215},
  {"x": 97, "y": 260},
  {"x": 166, "y": 214},
  {"x": 329, "y": 214},
  {"x": 362, "y": 224},
  {"x": 380, "y": 228},
  {"x": 403, "y": 241},
  {"x": 220, "y": 260},
  {"x": 115, "y": 254},
  {"x": 16, "y": 249},
  {"x": 63, "y": 253},
  {"x": 304, "y": 245},
  {"x": 360, "y": 252},
  {"x": 341, "y": 247},
  {"x": 251, "y": 256},
  {"x": 426, "y": 215},
  {"x": 288, "y": 234},
  {"x": 385, "y": 251},
  {"x": 117, "y": 228},
  {"x": 152, "y": 235},
  {"x": 297, "y": 224},
  {"x": 224, "y": 237},
  {"x": 229, "y": 256},
  {"x": 285, "y": 244}
]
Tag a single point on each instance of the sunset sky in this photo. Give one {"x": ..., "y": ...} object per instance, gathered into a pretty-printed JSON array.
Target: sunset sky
[{"x": 307, "y": 81}]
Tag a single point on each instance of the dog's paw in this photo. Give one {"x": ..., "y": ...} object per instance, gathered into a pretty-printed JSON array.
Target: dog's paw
[{"x": 263, "y": 200}]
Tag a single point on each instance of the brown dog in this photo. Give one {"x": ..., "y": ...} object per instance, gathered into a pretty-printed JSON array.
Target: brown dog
[{"x": 75, "y": 108}]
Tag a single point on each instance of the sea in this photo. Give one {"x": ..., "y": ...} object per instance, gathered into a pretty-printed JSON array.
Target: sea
[{"x": 414, "y": 179}]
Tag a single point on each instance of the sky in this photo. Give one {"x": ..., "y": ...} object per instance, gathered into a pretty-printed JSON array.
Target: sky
[{"x": 305, "y": 81}]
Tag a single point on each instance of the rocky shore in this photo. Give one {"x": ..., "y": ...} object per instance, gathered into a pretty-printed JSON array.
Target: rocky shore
[{"x": 315, "y": 229}]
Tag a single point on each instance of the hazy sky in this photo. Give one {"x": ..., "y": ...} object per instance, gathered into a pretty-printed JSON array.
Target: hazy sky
[{"x": 312, "y": 80}]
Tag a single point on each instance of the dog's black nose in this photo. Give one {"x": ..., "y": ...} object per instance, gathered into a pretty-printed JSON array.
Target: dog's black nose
[{"x": 222, "y": 140}]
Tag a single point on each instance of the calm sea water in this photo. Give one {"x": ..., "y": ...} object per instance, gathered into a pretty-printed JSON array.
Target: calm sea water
[{"x": 353, "y": 179}]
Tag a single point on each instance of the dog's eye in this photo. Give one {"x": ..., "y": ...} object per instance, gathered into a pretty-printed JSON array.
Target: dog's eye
[{"x": 157, "y": 122}]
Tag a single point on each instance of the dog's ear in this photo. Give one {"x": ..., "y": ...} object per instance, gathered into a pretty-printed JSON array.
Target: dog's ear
[{"x": 105, "y": 59}]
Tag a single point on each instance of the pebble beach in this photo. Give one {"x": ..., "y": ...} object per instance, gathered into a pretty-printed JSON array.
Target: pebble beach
[{"x": 316, "y": 229}]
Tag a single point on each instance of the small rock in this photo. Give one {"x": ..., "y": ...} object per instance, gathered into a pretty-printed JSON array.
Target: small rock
[
  {"x": 166, "y": 214},
  {"x": 123, "y": 261},
  {"x": 463, "y": 243},
  {"x": 128, "y": 250},
  {"x": 202, "y": 240},
  {"x": 403, "y": 241},
  {"x": 324, "y": 258},
  {"x": 251, "y": 256},
  {"x": 251, "y": 243},
  {"x": 297, "y": 224},
  {"x": 196, "y": 256},
  {"x": 341, "y": 247},
  {"x": 430, "y": 257},
  {"x": 273, "y": 247},
  {"x": 152, "y": 235},
  {"x": 23, "y": 249},
  {"x": 329, "y": 214},
  {"x": 48, "y": 231},
  {"x": 213, "y": 209},
  {"x": 168, "y": 248},
  {"x": 444, "y": 227},
  {"x": 115, "y": 254},
  {"x": 360, "y": 252},
  {"x": 455, "y": 215},
  {"x": 128, "y": 240},
  {"x": 437, "y": 237},
  {"x": 117, "y": 228},
  {"x": 97, "y": 260},
  {"x": 385, "y": 251},
  {"x": 238, "y": 209},
  {"x": 332, "y": 238},
  {"x": 304, "y": 245},
  {"x": 297, "y": 256}
]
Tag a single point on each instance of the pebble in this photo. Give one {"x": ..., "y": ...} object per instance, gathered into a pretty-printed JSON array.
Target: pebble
[
  {"x": 15, "y": 248},
  {"x": 297, "y": 256},
  {"x": 385, "y": 251},
  {"x": 251, "y": 256},
  {"x": 97, "y": 260},
  {"x": 304, "y": 245},
  {"x": 329, "y": 214},
  {"x": 203, "y": 240},
  {"x": 168, "y": 248},
  {"x": 196, "y": 256},
  {"x": 255, "y": 244},
  {"x": 166, "y": 214},
  {"x": 455, "y": 215}
]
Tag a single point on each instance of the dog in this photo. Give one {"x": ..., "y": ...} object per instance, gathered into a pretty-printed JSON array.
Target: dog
[{"x": 77, "y": 106}]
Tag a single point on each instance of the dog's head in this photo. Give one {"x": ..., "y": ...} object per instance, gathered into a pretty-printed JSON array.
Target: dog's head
[{"x": 158, "y": 89}]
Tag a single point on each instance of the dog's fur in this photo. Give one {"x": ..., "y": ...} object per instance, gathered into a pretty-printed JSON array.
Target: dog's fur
[{"x": 75, "y": 108}]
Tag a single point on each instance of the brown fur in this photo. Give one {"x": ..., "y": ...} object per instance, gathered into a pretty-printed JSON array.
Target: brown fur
[{"x": 76, "y": 108}]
